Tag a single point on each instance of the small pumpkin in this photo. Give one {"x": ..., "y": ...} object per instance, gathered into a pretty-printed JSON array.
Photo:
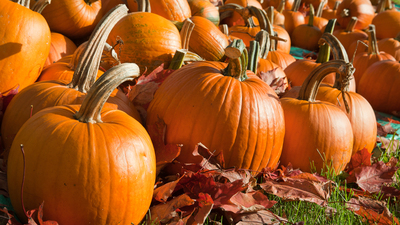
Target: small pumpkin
[
  {"x": 306, "y": 36},
  {"x": 60, "y": 46},
  {"x": 361, "y": 9},
  {"x": 293, "y": 17},
  {"x": 350, "y": 34},
  {"x": 391, "y": 46},
  {"x": 175, "y": 10},
  {"x": 387, "y": 24},
  {"x": 317, "y": 133},
  {"x": 206, "y": 9}
]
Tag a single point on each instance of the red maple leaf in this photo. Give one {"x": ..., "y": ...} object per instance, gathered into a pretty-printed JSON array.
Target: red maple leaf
[{"x": 359, "y": 159}]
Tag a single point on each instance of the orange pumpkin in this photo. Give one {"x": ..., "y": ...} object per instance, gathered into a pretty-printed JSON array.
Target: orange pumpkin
[
  {"x": 391, "y": 46},
  {"x": 46, "y": 94},
  {"x": 387, "y": 24},
  {"x": 60, "y": 46},
  {"x": 24, "y": 46},
  {"x": 149, "y": 40},
  {"x": 306, "y": 36},
  {"x": 349, "y": 35},
  {"x": 175, "y": 10},
  {"x": 204, "y": 8},
  {"x": 293, "y": 17},
  {"x": 361, "y": 9},
  {"x": 365, "y": 59},
  {"x": 225, "y": 107},
  {"x": 317, "y": 133},
  {"x": 100, "y": 163}
]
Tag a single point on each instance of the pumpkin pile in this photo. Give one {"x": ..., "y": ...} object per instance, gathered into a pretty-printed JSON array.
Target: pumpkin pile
[{"x": 89, "y": 80}]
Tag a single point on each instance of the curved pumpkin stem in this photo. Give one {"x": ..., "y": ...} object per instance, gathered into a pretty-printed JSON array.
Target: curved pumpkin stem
[
  {"x": 336, "y": 6},
  {"x": 144, "y": 6},
  {"x": 263, "y": 39},
  {"x": 372, "y": 42},
  {"x": 186, "y": 32},
  {"x": 281, "y": 6},
  {"x": 237, "y": 54},
  {"x": 90, "y": 111},
  {"x": 309, "y": 89},
  {"x": 77, "y": 54},
  {"x": 40, "y": 5},
  {"x": 227, "y": 10},
  {"x": 24, "y": 3},
  {"x": 351, "y": 25},
  {"x": 192, "y": 57},
  {"x": 325, "y": 49},
  {"x": 254, "y": 53},
  {"x": 225, "y": 29},
  {"x": 86, "y": 70},
  {"x": 270, "y": 14}
]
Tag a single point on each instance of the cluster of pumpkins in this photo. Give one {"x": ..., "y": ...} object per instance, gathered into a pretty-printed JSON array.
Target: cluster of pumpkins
[{"x": 76, "y": 142}]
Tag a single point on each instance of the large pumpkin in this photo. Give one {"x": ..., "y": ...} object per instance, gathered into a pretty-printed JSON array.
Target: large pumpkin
[
  {"x": 24, "y": 45},
  {"x": 228, "y": 109},
  {"x": 318, "y": 134},
  {"x": 89, "y": 166}
]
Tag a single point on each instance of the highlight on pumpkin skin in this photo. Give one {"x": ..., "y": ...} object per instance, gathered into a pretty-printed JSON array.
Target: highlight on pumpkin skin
[{"x": 329, "y": 136}]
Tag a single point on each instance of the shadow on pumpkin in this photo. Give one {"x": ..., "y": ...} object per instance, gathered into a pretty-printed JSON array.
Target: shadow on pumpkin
[{"x": 9, "y": 49}]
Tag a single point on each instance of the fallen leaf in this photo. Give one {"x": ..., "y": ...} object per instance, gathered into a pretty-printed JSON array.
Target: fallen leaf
[
  {"x": 303, "y": 189},
  {"x": 386, "y": 129},
  {"x": 165, "y": 153},
  {"x": 276, "y": 82},
  {"x": 373, "y": 211},
  {"x": 165, "y": 212},
  {"x": 373, "y": 178},
  {"x": 359, "y": 159},
  {"x": 200, "y": 214},
  {"x": 210, "y": 161},
  {"x": 260, "y": 217},
  {"x": 38, "y": 213},
  {"x": 251, "y": 202},
  {"x": 165, "y": 191}
]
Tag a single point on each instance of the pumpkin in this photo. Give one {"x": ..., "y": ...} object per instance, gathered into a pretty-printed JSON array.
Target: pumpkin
[
  {"x": 317, "y": 133},
  {"x": 275, "y": 15},
  {"x": 24, "y": 45},
  {"x": 225, "y": 107},
  {"x": 176, "y": 10},
  {"x": 379, "y": 85},
  {"x": 387, "y": 24},
  {"x": 306, "y": 36},
  {"x": 287, "y": 4},
  {"x": 75, "y": 19},
  {"x": 45, "y": 94},
  {"x": 204, "y": 8},
  {"x": 299, "y": 70},
  {"x": 315, "y": 3},
  {"x": 391, "y": 46},
  {"x": 365, "y": 59},
  {"x": 207, "y": 40},
  {"x": 149, "y": 39},
  {"x": 293, "y": 17},
  {"x": 60, "y": 46},
  {"x": 349, "y": 35},
  {"x": 356, "y": 107},
  {"x": 235, "y": 17},
  {"x": 330, "y": 13},
  {"x": 361, "y": 9},
  {"x": 100, "y": 163},
  {"x": 318, "y": 20}
]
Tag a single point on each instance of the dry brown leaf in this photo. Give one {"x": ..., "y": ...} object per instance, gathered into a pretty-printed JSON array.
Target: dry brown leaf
[
  {"x": 373, "y": 211},
  {"x": 260, "y": 217},
  {"x": 165, "y": 212}
]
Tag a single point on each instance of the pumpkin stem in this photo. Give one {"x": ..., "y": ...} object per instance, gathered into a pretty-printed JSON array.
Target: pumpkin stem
[
  {"x": 336, "y": 6},
  {"x": 225, "y": 29},
  {"x": 351, "y": 25},
  {"x": 143, "y": 6},
  {"x": 90, "y": 2},
  {"x": 178, "y": 59},
  {"x": 373, "y": 44},
  {"x": 281, "y": 6},
  {"x": 309, "y": 89},
  {"x": 86, "y": 70},
  {"x": 227, "y": 10},
  {"x": 90, "y": 111},
  {"x": 270, "y": 14},
  {"x": 325, "y": 50},
  {"x": 22, "y": 2},
  {"x": 345, "y": 13},
  {"x": 192, "y": 57},
  {"x": 296, "y": 5},
  {"x": 339, "y": 53},
  {"x": 264, "y": 41},
  {"x": 237, "y": 54},
  {"x": 311, "y": 16},
  {"x": 186, "y": 32},
  {"x": 40, "y": 5},
  {"x": 254, "y": 53},
  {"x": 320, "y": 9},
  {"x": 23, "y": 180}
]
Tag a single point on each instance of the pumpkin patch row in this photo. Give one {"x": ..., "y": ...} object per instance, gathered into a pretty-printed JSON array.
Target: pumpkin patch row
[{"x": 73, "y": 139}]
